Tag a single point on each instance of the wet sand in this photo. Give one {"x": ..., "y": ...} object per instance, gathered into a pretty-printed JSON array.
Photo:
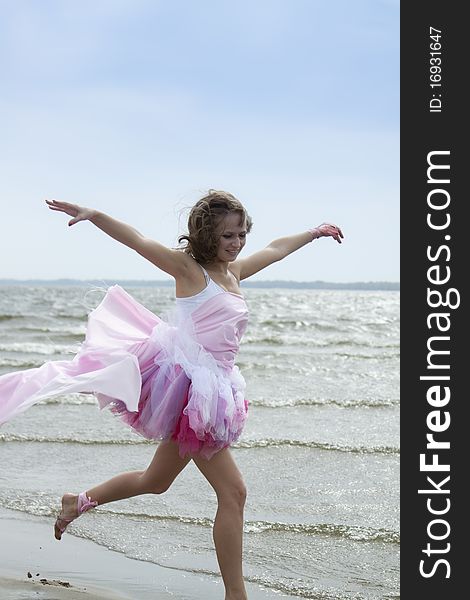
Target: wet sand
[{"x": 35, "y": 565}]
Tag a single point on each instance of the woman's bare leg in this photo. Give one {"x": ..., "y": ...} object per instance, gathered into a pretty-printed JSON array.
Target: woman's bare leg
[
  {"x": 156, "y": 479},
  {"x": 165, "y": 466},
  {"x": 223, "y": 475}
]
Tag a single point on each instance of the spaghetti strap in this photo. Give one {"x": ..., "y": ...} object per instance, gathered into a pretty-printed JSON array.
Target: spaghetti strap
[
  {"x": 207, "y": 277},
  {"x": 209, "y": 281}
]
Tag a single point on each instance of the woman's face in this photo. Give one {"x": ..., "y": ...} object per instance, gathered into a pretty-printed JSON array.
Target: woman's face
[{"x": 232, "y": 237}]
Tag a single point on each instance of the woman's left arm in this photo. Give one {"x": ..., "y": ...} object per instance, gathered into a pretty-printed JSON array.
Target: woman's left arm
[{"x": 282, "y": 247}]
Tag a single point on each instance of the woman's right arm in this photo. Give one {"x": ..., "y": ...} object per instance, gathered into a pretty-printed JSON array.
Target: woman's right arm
[{"x": 173, "y": 262}]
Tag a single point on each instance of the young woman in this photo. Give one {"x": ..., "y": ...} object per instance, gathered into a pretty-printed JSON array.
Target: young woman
[{"x": 174, "y": 380}]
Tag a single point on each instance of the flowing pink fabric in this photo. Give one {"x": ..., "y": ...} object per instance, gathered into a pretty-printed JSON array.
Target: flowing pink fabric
[{"x": 164, "y": 380}]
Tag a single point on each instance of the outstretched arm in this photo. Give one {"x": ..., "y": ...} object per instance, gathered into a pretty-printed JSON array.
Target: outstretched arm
[
  {"x": 169, "y": 260},
  {"x": 282, "y": 247}
]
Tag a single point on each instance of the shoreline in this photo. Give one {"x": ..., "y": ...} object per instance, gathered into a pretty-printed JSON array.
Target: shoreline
[{"x": 79, "y": 569}]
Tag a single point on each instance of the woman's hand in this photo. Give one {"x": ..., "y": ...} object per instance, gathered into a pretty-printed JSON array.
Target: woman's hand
[
  {"x": 327, "y": 230},
  {"x": 79, "y": 213}
]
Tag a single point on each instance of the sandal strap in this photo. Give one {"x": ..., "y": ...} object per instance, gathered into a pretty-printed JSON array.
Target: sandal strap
[{"x": 85, "y": 503}]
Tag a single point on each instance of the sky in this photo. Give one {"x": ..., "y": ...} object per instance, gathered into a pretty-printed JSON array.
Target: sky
[{"x": 138, "y": 107}]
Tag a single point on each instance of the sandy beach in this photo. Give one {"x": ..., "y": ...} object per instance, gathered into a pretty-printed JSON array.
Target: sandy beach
[
  {"x": 15, "y": 589},
  {"x": 35, "y": 565}
]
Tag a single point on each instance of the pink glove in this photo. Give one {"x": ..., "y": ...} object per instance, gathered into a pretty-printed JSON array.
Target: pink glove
[{"x": 326, "y": 230}]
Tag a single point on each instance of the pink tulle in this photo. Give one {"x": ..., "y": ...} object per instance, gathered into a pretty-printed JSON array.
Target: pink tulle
[{"x": 166, "y": 380}]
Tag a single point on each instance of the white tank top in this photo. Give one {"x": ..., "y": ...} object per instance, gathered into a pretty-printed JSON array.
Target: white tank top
[{"x": 186, "y": 306}]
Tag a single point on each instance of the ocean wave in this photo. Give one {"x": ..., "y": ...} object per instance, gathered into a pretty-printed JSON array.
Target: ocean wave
[
  {"x": 72, "y": 317},
  {"x": 32, "y": 348},
  {"x": 316, "y": 343},
  {"x": 72, "y": 399},
  {"x": 351, "y": 532},
  {"x": 73, "y": 333},
  {"x": 298, "y": 324},
  {"x": 19, "y": 364},
  {"x": 43, "y": 439},
  {"x": 295, "y": 588},
  {"x": 269, "y": 340},
  {"x": 9, "y": 317},
  {"x": 347, "y": 403},
  {"x": 269, "y": 443},
  {"x": 45, "y": 505},
  {"x": 376, "y": 356},
  {"x": 246, "y": 444},
  {"x": 265, "y": 403}
]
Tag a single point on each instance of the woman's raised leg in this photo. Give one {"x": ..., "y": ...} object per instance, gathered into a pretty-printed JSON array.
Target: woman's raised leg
[
  {"x": 156, "y": 479},
  {"x": 223, "y": 475}
]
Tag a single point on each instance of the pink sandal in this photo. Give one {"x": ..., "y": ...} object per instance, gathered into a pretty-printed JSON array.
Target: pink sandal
[{"x": 83, "y": 504}]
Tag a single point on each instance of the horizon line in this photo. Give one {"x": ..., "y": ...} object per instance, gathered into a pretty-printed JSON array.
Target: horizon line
[
  {"x": 370, "y": 284},
  {"x": 167, "y": 280}
]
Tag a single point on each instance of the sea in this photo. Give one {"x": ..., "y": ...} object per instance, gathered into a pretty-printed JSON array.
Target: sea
[{"x": 320, "y": 452}]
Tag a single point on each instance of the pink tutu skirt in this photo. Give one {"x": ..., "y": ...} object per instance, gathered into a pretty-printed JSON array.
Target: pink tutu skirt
[{"x": 157, "y": 377}]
